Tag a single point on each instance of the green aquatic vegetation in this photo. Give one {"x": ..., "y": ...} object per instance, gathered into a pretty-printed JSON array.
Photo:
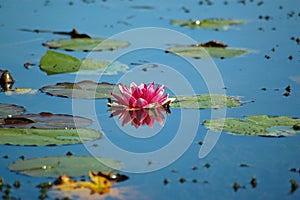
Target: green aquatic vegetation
[
  {"x": 205, "y": 101},
  {"x": 86, "y": 44},
  {"x": 199, "y": 51},
  {"x": 215, "y": 23},
  {"x": 57, "y": 63},
  {"x": 46, "y": 129},
  {"x": 256, "y": 125},
  {"x": 57, "y": 165},
  {"x": 46, "y": 137}
]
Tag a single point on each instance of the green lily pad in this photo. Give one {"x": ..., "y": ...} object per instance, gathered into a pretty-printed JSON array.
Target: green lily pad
[
  {"x": 205, "y": 101},
  {"x": 57, "y": 63},
  {"x": 44, "y": 120},
  {"x": 86, "y": 44},
  {"x": 216, "y": 23},
  {"x": 55, "y": 166},
  {"x": 43, "y": 137},
  {"x": 10, "y": 109},
  {"x": 83, "y": 89},
  {"x": 199, "y": 52},
  {"x": 256, "y": 125}
]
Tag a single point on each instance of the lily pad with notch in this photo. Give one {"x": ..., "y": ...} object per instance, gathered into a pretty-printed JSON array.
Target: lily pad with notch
[
  {"x": 214, "y": 23},
  {"x": 57, "y": 165},
  {"x": 205, "y": 101},
  {"x": 256, "y": 125},
  {"x": 86, "y": 44},
  {"x": 83, "y": 89},
  {"x": 57, "y": 63}
]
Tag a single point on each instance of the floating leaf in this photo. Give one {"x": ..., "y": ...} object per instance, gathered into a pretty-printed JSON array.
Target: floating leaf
[
  {"x": 83, "y": 89},
  {"x": 44, "y": 120},
  {"x": 86, "y": 44},
  {"x": 100, "y": 183},
  {"x": 56, "y": 63},
  {"x": 20, "y": 91},
  {"x": 256, "y": 125},
  {"x": 198, "y": 51},
  {"x": 204, "y": 101},
  {"x": 216, "y": 23},
  {"x": 10, "y": 109},
  {"x": 43, "y": 137},
  {"x": 56, "y": 166}
]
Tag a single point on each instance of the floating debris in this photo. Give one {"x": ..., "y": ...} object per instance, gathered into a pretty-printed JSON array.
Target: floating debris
[
  {"x": 182, "y": 180},
  {"x": 6, "y": 80},
  {"x": 253, "y": 182},
  {"x": 236, "y": 186},
  {"x": 207, "y": 165},
  {"x": 166, "y": 181},
  {"x": 244, "y": 165},
  {"x": 294, "y": 186}
]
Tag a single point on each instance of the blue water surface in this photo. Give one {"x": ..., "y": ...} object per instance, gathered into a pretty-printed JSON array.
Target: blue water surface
[{"x": 270, "y": 24}]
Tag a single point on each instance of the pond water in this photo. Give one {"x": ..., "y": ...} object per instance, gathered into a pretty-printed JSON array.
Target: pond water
[{"x": 270, "y": 24}]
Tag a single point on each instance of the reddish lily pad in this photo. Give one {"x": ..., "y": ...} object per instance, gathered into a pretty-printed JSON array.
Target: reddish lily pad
[
  {"x": 57, "y": 165},
  {"x": 83, "y": 89},
  {"x": 10, "y": 109},
  {"x": 44, "y": 120}
]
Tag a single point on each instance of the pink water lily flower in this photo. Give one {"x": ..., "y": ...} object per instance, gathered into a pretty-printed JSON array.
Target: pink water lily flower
[{"x": 140, "y": 96}]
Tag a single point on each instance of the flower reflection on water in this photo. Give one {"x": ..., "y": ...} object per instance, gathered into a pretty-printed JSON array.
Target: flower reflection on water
[{"x": 141, "y": 117}]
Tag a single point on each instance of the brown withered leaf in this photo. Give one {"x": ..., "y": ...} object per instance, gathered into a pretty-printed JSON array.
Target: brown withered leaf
[{"x": 100, "y": 183}]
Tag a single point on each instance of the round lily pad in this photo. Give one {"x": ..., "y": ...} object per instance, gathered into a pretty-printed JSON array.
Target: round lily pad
[
  {"x": 83, "y": 89},
  {"x": 256, "y": 125},
  {"x": 10, "y": 109},
  {"x": 86, "y": 44},
  {"x": 205, "y": 101},
  {"x": 46, "y": 137},
  {"x": 57, "y": 165}
]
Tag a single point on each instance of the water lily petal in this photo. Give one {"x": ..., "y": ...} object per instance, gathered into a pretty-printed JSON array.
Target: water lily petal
[
  {"x": 120, "y": 100},
  {"x": 140, "y": 103}
]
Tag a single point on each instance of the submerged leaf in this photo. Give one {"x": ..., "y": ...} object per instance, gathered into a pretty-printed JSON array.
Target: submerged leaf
[
  {"x": 86, "y": 44},
  {"x": 10, "y": 109},
  {"x": 216, "y": 23},
  {"x": 44, "y": 120},
  {"x": 205, "y": 101},
  {"x": 71, "y": 165},
  {"x": 199, "y": 51},
  {"x": 44, "y": 137},
  {"x": 57, "y": 63},
  {"x": 256, "y": 125},
  {"x": 83, "y": 89}
]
